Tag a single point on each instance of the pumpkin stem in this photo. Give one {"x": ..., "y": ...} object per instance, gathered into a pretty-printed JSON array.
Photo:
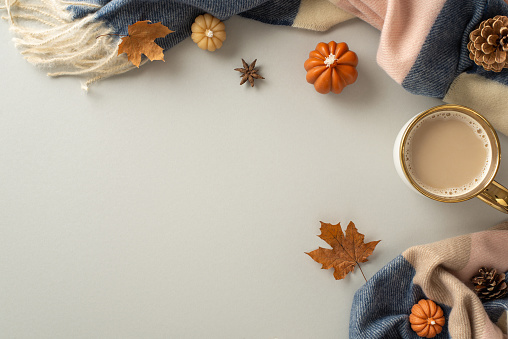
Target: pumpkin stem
[{"x": 330, "y": 60}]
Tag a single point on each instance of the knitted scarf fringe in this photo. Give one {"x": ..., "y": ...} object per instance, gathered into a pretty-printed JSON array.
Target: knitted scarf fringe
[{"x": 48, "y": 37}]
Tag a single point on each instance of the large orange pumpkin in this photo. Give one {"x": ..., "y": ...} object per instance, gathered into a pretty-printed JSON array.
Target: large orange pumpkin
[
  {"x": 427, "y": 318},
  {"x": 331, "y": 67}
]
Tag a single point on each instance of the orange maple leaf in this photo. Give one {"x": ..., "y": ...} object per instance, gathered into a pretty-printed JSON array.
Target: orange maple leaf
[
  {"x": 347, "y": 251},
  {"x": 141, "y": 41}
]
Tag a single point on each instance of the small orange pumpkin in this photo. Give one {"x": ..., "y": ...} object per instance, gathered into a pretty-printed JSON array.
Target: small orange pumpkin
[
  {"x": 427, "y": 318},
  {"x": 331, "y": 67}
]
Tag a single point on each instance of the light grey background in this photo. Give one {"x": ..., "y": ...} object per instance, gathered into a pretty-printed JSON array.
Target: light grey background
[{"x": 170, "y": 202}]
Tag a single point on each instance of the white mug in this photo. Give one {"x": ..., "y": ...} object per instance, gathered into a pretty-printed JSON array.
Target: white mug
[{"x": 486, "y": 189}]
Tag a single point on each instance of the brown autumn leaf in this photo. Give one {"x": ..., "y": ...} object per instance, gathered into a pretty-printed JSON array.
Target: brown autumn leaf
[
  {"x": 347, "y": 251},
  {"x": 141, "y": 41}
]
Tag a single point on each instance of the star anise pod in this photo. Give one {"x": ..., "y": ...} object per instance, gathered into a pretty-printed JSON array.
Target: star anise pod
[{"x": 249, "y": 73}]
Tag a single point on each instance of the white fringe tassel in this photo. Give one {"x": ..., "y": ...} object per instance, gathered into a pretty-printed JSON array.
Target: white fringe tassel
[{"x": 48, "y": 37}]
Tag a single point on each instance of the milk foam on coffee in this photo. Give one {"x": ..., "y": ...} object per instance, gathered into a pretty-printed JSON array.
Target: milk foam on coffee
[{"x": 448, "y": 153}]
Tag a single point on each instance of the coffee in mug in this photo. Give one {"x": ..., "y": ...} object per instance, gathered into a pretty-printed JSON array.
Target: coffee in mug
[{"x": 450, "y": 153}]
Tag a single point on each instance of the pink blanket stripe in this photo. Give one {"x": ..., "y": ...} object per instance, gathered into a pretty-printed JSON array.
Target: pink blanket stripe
[
  {"x": 489, "y": 249},
  {"x": 403, "y": 31}
]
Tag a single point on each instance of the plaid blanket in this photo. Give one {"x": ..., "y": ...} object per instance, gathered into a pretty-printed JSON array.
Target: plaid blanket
[
  {"x": 442, "y": 272},
  {"x": 422, "y": 44}
]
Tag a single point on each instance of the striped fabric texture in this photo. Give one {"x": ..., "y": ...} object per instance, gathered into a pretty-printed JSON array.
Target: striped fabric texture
[
  {"x": 423, "y": 47},
  {"x": 62, "y": 33},
  {"x": 422, "y": 43},
  {"x": 439, "y": 271}
]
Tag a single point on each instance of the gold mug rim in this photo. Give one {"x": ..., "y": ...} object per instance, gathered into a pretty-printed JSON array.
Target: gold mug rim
[{"x": 461, "y": 109}]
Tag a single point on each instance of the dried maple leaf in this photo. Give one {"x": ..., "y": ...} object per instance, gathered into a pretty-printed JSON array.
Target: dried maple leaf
[
  {"x": 347, "y": 251},
  {"x": 141, "y": 41}
]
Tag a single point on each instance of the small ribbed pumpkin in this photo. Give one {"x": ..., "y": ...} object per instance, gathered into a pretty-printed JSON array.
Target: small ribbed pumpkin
[
  {"x": 208, "y": 32},
  {"x": 427, "y": 318},
  {"x": 331, "y": 67}
]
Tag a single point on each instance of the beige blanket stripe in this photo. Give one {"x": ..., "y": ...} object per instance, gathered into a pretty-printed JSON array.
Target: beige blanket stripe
[
  {"x": 319, "y": 15},
  {"x": 482, "y": 95}
]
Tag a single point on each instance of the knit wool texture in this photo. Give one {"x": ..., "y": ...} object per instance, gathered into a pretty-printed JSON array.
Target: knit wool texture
[{"x": 440, "y": 271}]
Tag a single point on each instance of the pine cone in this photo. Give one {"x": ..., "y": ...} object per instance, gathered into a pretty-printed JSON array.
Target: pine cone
[
  {"x": 488, "y": 284},
  {"x": 488, "y": 44}
]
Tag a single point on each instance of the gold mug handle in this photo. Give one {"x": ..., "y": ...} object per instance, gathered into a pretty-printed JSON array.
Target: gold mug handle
[{"x": 496, "y": 195}]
